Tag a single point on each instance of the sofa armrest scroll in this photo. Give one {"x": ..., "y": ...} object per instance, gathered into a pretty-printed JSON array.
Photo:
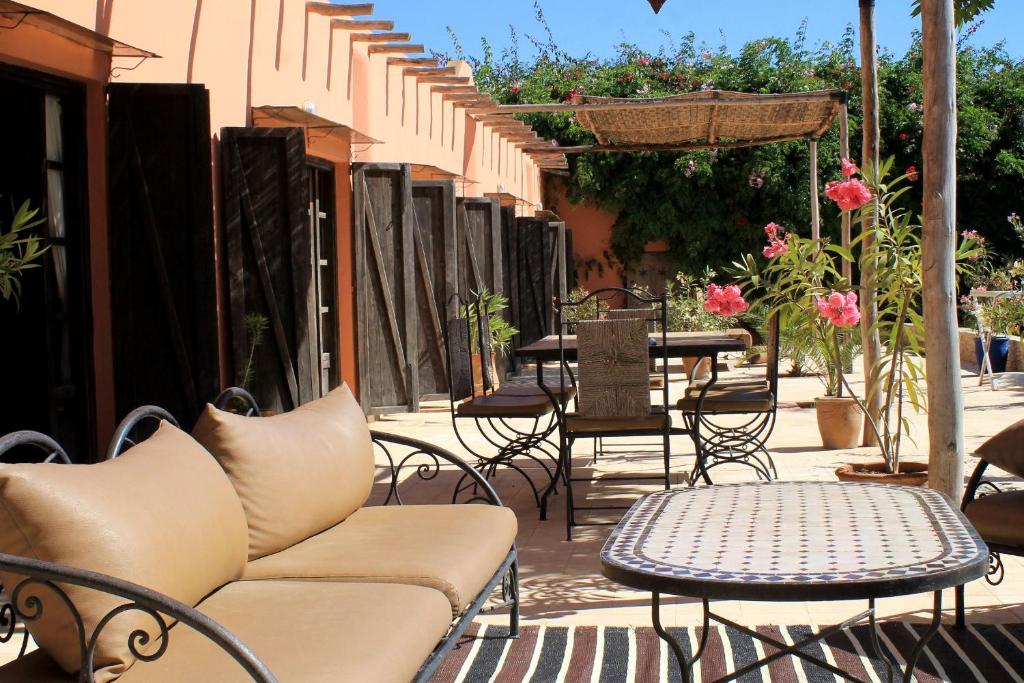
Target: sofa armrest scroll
[
  {"x": 428, "y": 470},
  {"x": 27, "y": 604}
]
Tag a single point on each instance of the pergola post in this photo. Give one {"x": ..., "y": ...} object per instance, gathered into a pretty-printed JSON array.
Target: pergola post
[
  {"x": 844, "y": 152},
  {"x": 870, "y": 156},
  {"x": 938, "y": 244},
  {"x": 815, "y": 208}
]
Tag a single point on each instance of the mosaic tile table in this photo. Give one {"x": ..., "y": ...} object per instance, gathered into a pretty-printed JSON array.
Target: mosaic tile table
[{"x": 794, "y": 541}]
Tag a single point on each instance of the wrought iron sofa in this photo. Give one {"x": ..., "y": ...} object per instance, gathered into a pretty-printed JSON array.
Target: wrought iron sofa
[{"x": 263, "y": 562}]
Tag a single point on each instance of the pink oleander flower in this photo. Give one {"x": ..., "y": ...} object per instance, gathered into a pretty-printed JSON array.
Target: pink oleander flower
[
  {"x": 774, "y": 249},
  {"x": 839, "y": 309},
  {"x": 849, "y": 168},
  {"x": 848, "y": 194},
  {"x": 724, "y": 301},
  {"x": 776, "y": 241},
  {"x": 772, "y": 231},
  {"x": 912, "y": 174}
]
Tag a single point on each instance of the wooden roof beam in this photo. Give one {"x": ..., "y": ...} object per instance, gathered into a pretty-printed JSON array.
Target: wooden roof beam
[
  {"x": 441, "y": 80},
  {"x": 395, "y": 48},
  {"x": 329, "y": 9},
  {"x": 429, "y": 62},
  {"x": 432, "y": 71},
  {"x": 380, "y": 37},
  {"x": 455, "y": 89},
  {"x": 363, "y": 24}
]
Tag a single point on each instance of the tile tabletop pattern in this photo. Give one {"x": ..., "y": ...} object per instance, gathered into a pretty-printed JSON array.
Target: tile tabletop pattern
[{"x": 779, "y": 535}]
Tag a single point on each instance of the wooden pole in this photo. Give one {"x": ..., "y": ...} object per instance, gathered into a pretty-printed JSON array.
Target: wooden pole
[
  {"x": 815, "y": 208},
  {"x": 869, "y": 157},
  {"x": 942, "y": 366},
  {"x": 844, "y": 152}
]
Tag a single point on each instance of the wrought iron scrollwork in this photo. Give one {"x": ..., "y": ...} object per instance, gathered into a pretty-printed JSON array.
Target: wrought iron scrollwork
[
  {"x": 28, "y": 605},
  {"x": 996, "y": 572},
  {"x": 428, "y": 459}
]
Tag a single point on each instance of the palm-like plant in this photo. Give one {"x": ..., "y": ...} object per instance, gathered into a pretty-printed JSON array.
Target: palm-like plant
[{"x": 19, "y": 251}]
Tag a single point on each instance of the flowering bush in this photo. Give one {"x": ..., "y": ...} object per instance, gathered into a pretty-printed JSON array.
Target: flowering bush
[
  {"x": 724, "y": 301},
  {"x": 839, "y": 309},
  {"x": 849, "y": 194}
]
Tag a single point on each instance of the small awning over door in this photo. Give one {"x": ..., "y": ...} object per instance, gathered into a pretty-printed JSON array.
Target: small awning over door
[{"x": 14, "y": 14}]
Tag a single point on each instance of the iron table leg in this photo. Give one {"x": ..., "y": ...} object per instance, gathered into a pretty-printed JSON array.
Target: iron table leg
[
  {"x": 685, "y": 666},
  {"x": 922, "y": 642}
]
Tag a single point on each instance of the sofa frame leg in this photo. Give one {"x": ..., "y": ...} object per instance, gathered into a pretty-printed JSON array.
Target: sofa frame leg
[
  {"x": 513, "y": 615},
  {"x": 961, "y": 618}
]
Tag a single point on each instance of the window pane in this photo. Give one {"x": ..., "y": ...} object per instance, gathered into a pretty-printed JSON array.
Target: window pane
[{"x": 54, "y": 141}]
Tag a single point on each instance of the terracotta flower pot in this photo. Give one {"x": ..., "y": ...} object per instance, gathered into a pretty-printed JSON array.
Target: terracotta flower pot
[
  {"x": 910, "y": 474},
  {"x": 478, "y": 377},
  {"x": 839, "y": 422},
  {"x": 703, "y": 371}
]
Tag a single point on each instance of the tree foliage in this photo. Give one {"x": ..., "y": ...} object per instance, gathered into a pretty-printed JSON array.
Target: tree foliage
[{"x": 710, "y": 205}]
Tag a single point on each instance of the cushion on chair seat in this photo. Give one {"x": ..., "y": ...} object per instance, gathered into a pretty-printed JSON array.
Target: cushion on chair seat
[
  {"x": 309, "y": 632},
  {"x": 37, "y": 667},
  {"x": 739, "y": 384},
  {"x": 535, "y": 390},
  {"x": 740, "y": 400},
  {"x": 999, "y": 517},
  {"x": 454, "y": 549},
  {"x": 655, "y": 422},
  {"x": 497, "y": 405}
]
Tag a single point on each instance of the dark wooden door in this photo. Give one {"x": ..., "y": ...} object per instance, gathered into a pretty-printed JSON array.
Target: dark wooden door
[
  {"x": 534, "y": 258},
  {"x": 324, "y": 234},
  {"x": 479, "y": 245},
  {"x": 385, "y": 287},
  {"x": 163, "y": 294},
  {"x": 45, "y": 336},
  {"x": 270, "y": 264},
  {"x": 435, "y": 279}
]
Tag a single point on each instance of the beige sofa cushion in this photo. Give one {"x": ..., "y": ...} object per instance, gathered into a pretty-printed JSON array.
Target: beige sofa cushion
[
  {"x": 999, "y": 517},
  {"x": 163, "y": 515},
  {"x": 297, "y": 473},
  {"x": 452, "y": 548},
  {"x": 309, "y": 632}
]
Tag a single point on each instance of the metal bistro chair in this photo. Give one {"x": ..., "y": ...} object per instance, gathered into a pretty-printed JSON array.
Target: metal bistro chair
[
  {"x": 613, "y": 358},
  {"x": 516, "y": 421},
  {"x": 749, "y": 408},
  {"x": 996, "y": 513}
]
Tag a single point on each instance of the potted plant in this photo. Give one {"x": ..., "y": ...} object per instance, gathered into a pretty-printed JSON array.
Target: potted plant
[
  {"x": 19, "y": 251},
  {"x": 498, "y": 330},
  {"x": 1001, "y": 317},
  {"x": 802, "y": 284}
]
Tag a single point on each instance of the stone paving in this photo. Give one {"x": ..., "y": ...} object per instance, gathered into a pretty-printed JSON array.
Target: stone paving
[{"x": 562, "y": 582}]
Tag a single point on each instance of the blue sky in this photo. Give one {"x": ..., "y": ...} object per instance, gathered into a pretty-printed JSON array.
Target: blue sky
[{"x": 596, "y": 26}]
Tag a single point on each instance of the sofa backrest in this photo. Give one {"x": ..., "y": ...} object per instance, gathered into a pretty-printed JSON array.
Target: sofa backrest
[
  {"x": 164, "y": 515},
  {"x": 296, "y": 473}
]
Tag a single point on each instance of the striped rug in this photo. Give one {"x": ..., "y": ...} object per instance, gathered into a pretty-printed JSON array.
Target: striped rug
[{"x": 592, "y": 654}]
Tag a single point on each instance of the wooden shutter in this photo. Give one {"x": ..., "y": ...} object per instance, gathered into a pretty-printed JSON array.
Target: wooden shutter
[
  {"x": 510, "y": 276},
  {"x": 161, "y": 248},
  {"x": 435, "y": 279},
  {"x": 479, "y": 245},
  {"x": 534, "y": 257},
  {"x": 270, "y": 256},
  {"x": 385, "y": 287}
]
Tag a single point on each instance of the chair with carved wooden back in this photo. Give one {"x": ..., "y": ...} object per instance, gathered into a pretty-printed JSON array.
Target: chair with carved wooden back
[
  {"x": 996, "y": 509},
  {"x": 730, "y": 421},
  {"x": 614, "y": 400},
  {"x": 515, "y": 422}
]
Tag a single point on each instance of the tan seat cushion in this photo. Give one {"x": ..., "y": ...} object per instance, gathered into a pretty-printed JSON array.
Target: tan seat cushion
[
  {"x": 695, "y": 388},
  {"x": 37, "y": 667},
  {"x": 497, "y": 405},
  {"x": 452, "y": 548},
  {"x": 308, "y": 632},
  {"x": 535, "y": 390},
  {"x": 163, "y": 515},
  {"x": 297, "y": 473},
  {"x": 999, "y": 518},
  {"x": 739, "y": 400},
  {"x": 655, "y": 422}
]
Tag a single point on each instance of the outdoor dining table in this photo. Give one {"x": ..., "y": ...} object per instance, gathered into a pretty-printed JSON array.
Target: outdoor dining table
[
  {"x": 696, "y": 345},
  {"x": 794, "y": 541}
]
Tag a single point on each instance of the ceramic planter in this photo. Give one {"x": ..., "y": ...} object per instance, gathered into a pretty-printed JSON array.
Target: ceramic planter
[
  {"x": 478, "y": 377},
  {"x": 703, "y": 371},
  {"x": 839, "y": 422},
  {"x": 998, "y": 352},
  {"x": 910, "y": 474}
]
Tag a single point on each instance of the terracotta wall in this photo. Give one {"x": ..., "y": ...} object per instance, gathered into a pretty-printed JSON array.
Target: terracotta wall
[
  {"x": 591, "y": 238},
  {"x": 251, "y": 53}
]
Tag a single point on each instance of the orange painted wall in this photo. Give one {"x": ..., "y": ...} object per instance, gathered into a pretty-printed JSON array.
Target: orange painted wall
[{"x": 591, "y": 236}]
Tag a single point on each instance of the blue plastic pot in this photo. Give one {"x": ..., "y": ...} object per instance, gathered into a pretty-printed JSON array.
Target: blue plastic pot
[{"x": 998, "y": 352}]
